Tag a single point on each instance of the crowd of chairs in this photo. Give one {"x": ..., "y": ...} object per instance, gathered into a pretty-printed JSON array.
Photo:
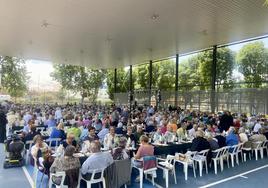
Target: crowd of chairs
[{"x": 219, "y": 157}]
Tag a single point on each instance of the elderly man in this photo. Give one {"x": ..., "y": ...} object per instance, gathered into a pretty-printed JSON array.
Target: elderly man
[
  {"x": 257, "y": 138},
  {"x": 192, "y": 131},
  {"x": 98, "y": 160}
]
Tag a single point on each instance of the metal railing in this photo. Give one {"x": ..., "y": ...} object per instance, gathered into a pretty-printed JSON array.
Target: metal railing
[{"x": 237, "y": 100}]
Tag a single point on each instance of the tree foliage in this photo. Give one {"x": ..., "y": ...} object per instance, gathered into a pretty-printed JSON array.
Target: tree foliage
[
  {"x": 196, "y": 71},
  {"x": 252, "y": 62},
  {"x": 79, "y": 80},
  {"x": 14, "y": 76}
]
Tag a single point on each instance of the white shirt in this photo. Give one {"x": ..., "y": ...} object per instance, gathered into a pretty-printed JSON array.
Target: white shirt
[
  {"x": 257, "y": 127},
  {"x": 243, "y": 137},
  {"x": 192, "y": 133},
  {"x": 96, "y": 161}
]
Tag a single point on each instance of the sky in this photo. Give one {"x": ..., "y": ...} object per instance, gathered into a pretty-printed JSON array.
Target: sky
[{"x": 39, "y": 71}]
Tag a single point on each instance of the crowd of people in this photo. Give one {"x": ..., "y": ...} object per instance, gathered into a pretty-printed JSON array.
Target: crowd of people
[{"x": 98, "y": 129}]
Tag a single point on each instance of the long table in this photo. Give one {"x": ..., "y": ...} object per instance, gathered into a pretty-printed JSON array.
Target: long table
[{"x": 171, "y": 148}]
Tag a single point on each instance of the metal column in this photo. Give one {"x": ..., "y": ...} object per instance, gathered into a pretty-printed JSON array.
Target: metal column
[
  {"x": 213, "y": 79},
  {"x": 130, "y": 94},
  {"x": 150, "y": 80},
  {"x": 177, "y": 80}
]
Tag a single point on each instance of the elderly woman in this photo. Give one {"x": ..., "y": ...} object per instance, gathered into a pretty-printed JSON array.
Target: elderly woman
[
  {"x": 39, "y": 148},
  {"x": 68, "y": 164},
  {"x": 242, "y": 135},
  {"x": 120, "y": 152}
]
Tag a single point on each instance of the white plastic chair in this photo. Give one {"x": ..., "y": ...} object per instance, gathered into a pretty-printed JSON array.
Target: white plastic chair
[
  {"x": 30, "y": 143},
  {"x": 201, "y": 157},
  {"x": 265, "y": 146},
  {"x": 151, "y": 171},
  {"x": 186, "y": 163},
  {"x": 225, "y": 155},
  {"x": 167, "y": 165},
  {"x": 57, "y": 174},
  {"x": 93, "y": 179},
  {"x": 234, "y": 154},
  {"x": 246, "y": 150},
  {"x": 258, "y": 148},
  {"x": 55, "y": 140},
  {"x": 216, "y": 158}
]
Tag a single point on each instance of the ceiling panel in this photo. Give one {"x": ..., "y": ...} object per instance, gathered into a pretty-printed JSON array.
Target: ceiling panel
[{"x": 117, "y": 33}]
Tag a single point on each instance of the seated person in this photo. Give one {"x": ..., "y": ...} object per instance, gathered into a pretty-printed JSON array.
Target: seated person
[
  {"x": 91, "y": 135},
  {"x": 213, "y": 142},
  {"x": 157, "y": 137},
  {"x": 173, "y": 125},
  {"x": 30, "y": 135},
  {"x": 39, "y": 148},
  {"x": 243, "y": 137},
  {"x": 199, "y": 143},
  {"x": 181, "y": 132},
  {"x": 119, "y": 128},
  {"x": 110, "y": 139},
  {"x": 145, "y": 148},
  {"x": 221, "y": 139},
  {"x": 70, "y": 140},
  {"x": 139, "y": 132},
  {"x": 257, "y": 138},
  {"x": 58, "y": 132},
  {"x": 120, "y": 152},
  {"x": 98, "y": 160},
  {"x": 98, "y": 125},
  {"x": 75, "y": 131},
  {"x": 170, "y": 135},
  {"x": 68, "y": 164},
  {"x": 131, "y": 140},
  {"x": 103, "y": 132},
  {"x": 193, "y": 130},
  {"x": 231, "y": 138}
]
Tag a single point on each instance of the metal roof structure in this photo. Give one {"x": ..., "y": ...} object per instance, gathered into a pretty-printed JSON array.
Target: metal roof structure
[{"x": 117, "y": 33}]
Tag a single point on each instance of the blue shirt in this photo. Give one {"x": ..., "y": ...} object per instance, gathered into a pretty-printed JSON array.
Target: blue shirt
[
  {"x": 231, "y": 139},
  {"x": 57, "y": 134},
  {"x": 102, "y": 134},
  {"x": 51, "y": 123},
  {"x": 96, "y": 161}
]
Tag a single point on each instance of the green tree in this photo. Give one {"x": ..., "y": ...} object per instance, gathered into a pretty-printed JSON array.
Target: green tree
[
  {"x": 122, "y": 84},
  {"x": 79, "y": 80},
  {"x": 166, "y": 75},
  {"x": 14, "y": 76},
  {"x": 224, "y": 68},
  {"x": 252, "y": 62},
  {"x": 142, "y": 73}
]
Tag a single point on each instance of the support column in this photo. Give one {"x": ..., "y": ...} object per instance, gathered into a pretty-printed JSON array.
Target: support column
[
  {"x": 213, "y": 79},
  {"x": 150, "y": 80},
  {"x": 177, "y": 80},
  {"x": 115, "y": 80},
  {"x": 130, "y": 88}
]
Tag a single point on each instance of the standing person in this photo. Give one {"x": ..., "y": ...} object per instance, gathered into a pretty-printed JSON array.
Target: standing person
[
  {"x": 226, "y": 121},
  {"x": 3, "y": 122}
]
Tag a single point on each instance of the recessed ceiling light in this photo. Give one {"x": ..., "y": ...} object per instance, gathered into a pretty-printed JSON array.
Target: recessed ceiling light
[{"x": 155, "y": 17}]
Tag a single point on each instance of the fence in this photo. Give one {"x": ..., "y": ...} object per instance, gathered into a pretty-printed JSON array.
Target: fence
[{"x": 237, "y": 100}]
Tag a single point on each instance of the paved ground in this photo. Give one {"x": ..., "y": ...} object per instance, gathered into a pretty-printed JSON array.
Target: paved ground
[
  {"x": 13, "y": 177},
  {"x": 252, "y": 174}
]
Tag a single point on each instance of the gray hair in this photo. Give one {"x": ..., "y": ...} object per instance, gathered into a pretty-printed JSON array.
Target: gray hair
[
  {"x": 95, "y": 146},
  {"x": 69, "y": 151}
]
